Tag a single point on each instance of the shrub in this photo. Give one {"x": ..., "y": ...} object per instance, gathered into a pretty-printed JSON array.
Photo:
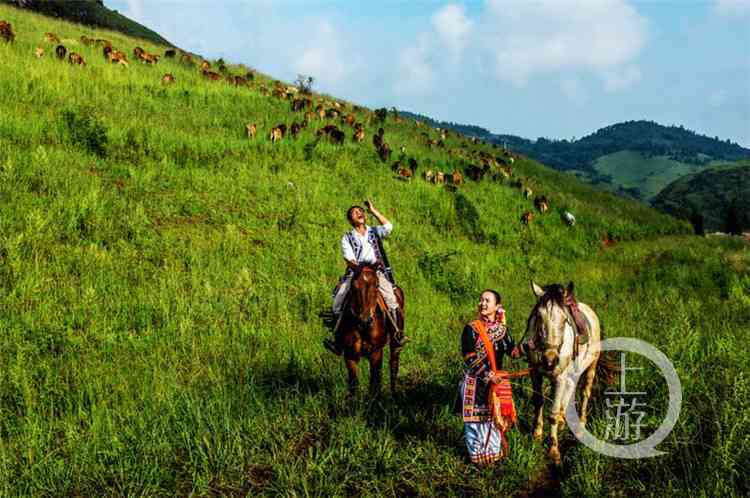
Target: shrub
[{"x": 82, "y": 128}]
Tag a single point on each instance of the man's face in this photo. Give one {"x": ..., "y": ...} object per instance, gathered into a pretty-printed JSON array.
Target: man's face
[{"x": 358, "y": 217}]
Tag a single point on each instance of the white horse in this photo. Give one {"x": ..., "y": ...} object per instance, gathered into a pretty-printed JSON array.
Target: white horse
[{"x": 551, "y": 327}]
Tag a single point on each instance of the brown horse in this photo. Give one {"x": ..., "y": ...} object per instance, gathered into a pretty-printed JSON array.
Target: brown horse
[{"x": 366, "y": 330}]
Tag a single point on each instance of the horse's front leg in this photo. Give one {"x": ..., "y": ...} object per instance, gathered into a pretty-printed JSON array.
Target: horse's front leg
[
  {"x": 557, "y": 418},
  {"x": 564, "y": 392},
  {"x": 393, "y": 361},
  {"x": 376, "y": 364},
  {"x": 351, "y": 367},
  {"x": 590, "y": 376},
  {"x": 537, "y": 399}
]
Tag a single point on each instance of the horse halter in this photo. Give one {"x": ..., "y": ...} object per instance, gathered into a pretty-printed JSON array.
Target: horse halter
[
  {"x": 541, "y": 330},
  {"x": 363, "y": 324}
]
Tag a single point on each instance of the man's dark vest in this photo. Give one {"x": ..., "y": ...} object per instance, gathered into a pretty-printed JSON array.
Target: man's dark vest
[{"x": 377, "y": 244}]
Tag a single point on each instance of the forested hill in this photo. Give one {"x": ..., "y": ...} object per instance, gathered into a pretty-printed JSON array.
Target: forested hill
[
  {"x": 91, "y": 13},
  {"x": 715, "y": 198},
  {"x": 635, "y": 158}
]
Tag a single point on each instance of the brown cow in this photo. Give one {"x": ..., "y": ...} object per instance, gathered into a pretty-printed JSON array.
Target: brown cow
[
  {"x": 75, "y": 58},
  {"x": 456, "y": 178},
  {"x": 187, "y": 59},
  {"x": 405, "y": 173},
  {"x": 384, "y": 152},
  {"x": 39, "y": 52},
  {"x": 278, "y": 132},
  {"x": 167, "y": 79},
  {"x": 300, "y": 104},
  {"x": 51, "y": 38},
  {"x": 337, "y": 136},
  {"x": 114, "y": 56},
  {"x": 137, "y": 51},
  {"x": 148, "y": 58},
  {"x": 213, "y": 76},
  {"x": 359, "y": 135},
  {"x": 348, "y": 119},
  {"x": 6, "y": 32},
  {"x": 527, "y": 217},
  {"x": 61, "y": 51},
  {"x": 295, "y": 129},
  {"x": 251, "y": 129},
  {"x": 541, "y": 204},
  {"x": 413, "y": 165},
  {"x": 238, "y": 81},
  {"x": 205, "y": 66}
]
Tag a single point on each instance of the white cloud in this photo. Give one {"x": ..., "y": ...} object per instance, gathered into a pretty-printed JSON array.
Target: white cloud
[
  {"x": 135, "y": 10},
  {"x": 524, "y": 39},
  {"x": 732, "y": 8},
  {"x": 622, "y": 78},
  {"x": 416, "y": 74},
  {"x": 453, "y": 28},
  {"x": 324, "y": 57}
]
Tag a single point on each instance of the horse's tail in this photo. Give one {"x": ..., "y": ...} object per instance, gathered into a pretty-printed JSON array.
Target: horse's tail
[{"x": 608, "y": 367}]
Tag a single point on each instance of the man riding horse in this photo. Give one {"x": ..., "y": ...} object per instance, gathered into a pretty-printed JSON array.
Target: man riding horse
[{"x": 360, "y": 246}]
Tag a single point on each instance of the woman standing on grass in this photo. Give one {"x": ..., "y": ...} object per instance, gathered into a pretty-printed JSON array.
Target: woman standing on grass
[{"x": 483, "y": 343}]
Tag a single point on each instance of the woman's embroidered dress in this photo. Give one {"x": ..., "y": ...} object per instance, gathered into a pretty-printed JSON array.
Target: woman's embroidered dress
[{"x": 483, "y": 439}]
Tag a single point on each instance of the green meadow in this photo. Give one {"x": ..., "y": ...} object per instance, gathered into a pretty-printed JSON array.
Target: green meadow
[{"x": 161, "y": 276}]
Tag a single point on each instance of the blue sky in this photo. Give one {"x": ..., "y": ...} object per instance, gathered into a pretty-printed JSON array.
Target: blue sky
[{"x": 551, "y": 68}]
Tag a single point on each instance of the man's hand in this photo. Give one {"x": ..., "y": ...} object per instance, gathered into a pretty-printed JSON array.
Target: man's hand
[
  {"x": 368, "y": 205},
  {"x": 516, "y": 352}
]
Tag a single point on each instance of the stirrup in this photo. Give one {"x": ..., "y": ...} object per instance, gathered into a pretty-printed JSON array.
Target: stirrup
[{"x": 332, "y": 347}]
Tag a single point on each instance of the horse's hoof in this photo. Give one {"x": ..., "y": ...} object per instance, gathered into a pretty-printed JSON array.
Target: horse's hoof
[{"x": 538, "y": 435}]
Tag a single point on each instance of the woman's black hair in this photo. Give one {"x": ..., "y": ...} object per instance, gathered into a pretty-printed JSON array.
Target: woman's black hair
[
  {"x": 498, "y": 298},
  {"x": 349, "y": 212}
]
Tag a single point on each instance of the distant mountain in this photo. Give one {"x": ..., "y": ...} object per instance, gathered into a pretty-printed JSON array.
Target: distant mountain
[
  {"x": 634, "y": 158},
  {"x": 718, "y": 194},
  {"x": 91, "y": 13}
]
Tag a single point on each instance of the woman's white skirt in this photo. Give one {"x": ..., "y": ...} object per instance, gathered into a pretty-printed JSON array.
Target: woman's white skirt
[{"x": 483, "y": 441}]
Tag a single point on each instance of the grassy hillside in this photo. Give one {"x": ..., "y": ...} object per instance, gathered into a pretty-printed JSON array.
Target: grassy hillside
[
  {"x": 161, "y": 276},
  {"x": 710, "y": 193},
  {"x": 90, "y": 13},
  {"x": 643, "y": 177}
]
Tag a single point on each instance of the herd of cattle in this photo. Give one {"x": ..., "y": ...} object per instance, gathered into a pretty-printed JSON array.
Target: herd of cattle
[{"x": 478, "y": 164}]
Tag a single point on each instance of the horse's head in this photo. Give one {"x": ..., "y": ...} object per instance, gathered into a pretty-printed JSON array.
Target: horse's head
[
  {"x": 546, "y": 324},
  {"x": 364, "y": 295}
]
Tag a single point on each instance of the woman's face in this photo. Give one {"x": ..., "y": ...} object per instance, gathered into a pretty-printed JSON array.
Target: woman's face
[{"x": 488, "y": 305}]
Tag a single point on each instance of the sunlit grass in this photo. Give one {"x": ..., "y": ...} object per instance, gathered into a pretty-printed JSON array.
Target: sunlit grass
[{"x": 160, "y": 298}]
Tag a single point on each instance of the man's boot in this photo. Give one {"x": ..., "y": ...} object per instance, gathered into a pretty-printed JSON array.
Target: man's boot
[
  {"x": 398, "y": 336},
  {"x": 335, "y": 345}
]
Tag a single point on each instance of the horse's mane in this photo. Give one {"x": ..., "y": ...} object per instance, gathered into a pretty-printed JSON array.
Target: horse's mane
[
  {"x": 553, "y": 292},
  {"x": 365, "y": 266}
]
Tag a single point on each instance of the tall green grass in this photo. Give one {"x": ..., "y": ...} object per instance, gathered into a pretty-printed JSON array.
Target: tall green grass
[{"x": 161, "y": 276}]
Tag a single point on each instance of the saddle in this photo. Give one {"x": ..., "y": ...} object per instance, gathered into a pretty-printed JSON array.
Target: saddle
[{"x": 580, "y": 323}]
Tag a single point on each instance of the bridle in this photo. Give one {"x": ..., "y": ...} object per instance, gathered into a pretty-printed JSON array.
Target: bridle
[
  {"x": 541, "y": 334},
  {"x": 363, "y": 324}
]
